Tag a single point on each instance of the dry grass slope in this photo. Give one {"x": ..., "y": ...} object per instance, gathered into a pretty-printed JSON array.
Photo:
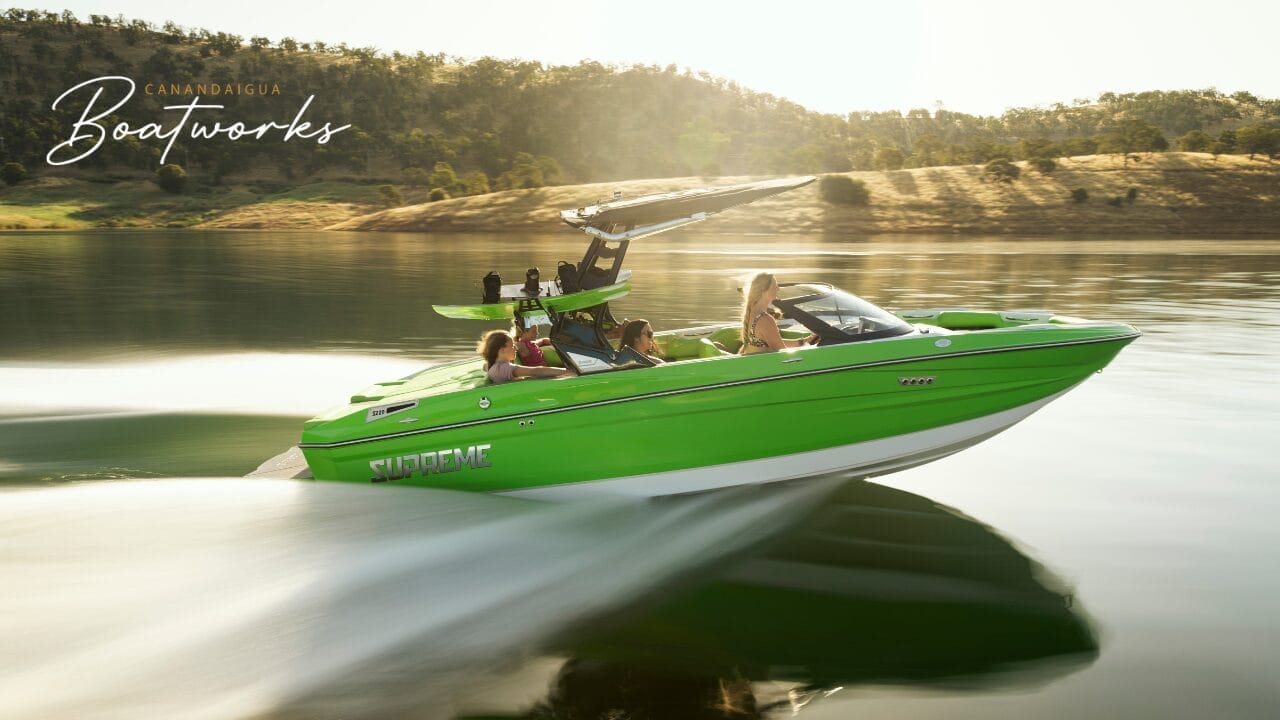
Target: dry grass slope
[{"x": 1178, "y": 194}]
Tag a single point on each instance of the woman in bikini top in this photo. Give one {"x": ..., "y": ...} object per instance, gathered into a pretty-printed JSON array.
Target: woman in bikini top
[
  {"x": 754, "y": 340},
  {"x": 759, "y": 330}
]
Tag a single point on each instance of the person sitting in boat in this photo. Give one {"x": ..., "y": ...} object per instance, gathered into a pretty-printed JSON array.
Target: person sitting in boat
[
  {"x": 638, "y": 335},
  {"x": 759, "y": 328},
  {"x": 498, "y": 349},
  {"x": 528, "y": 345}
]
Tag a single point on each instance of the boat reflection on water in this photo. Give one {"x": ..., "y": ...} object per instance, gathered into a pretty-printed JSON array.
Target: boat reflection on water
[
  {"x": 880, "y": 587},
  {"x": 223, "y": 597}
]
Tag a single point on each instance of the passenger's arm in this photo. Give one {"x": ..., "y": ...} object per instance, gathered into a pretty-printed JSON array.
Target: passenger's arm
[{"x": 541, "y": 372}]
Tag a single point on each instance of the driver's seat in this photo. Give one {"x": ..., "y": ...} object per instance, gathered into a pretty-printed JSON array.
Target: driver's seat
[{"x": 707, "y": 349}]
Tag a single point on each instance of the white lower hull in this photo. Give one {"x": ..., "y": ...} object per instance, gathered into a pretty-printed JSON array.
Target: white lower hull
[{"x": 864, "y": 459}]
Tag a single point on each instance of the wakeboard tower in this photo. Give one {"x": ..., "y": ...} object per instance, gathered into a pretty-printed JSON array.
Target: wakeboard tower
[{"x": 576, "y": 301}]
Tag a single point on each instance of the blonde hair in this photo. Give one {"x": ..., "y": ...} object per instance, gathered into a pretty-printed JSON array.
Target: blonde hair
[
  {"x": 490, "y": 343},
  {"x": 756, "y": 287}
]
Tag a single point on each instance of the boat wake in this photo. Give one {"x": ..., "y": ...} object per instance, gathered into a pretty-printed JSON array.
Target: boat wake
[
  {"x": 235, "y": 598},
  {"x": 295, "y": 384}
]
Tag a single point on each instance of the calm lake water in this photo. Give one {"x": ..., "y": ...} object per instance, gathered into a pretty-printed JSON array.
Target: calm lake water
[{"x": 1115, "y": 555}]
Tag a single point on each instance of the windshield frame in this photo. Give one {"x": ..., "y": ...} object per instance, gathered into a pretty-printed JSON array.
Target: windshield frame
[{"x": 828, "y": 334}]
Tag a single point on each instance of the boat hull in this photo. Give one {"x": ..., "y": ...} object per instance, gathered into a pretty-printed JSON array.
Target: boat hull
[
  {"x": 869, "y": 408},
  {"x": 864, "y": 460}
]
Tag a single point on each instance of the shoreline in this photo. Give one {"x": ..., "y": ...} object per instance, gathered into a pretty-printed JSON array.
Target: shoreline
[
  {"x": 1186, "y": 195},
  {"x": 1269, "y": 234}
]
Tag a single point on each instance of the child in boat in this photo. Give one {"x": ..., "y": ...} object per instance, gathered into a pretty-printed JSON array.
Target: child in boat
[
  {"x": 528, "y": 345},
  {"x": 498, "y": 349}
]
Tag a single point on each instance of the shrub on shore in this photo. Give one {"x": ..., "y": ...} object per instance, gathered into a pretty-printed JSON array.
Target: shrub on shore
[
  {"x": 1079, "y": 195},
  {"x": 843, "y": 190},
  {"x": 171, "y": 178},
  {"x": 437, "y": 194},
  {"x": 13, "y": 173},
  {"x": 1001, "y": 170},
  {"x": 1045, "y": 165},
  {"x": 391, "y": 197}
]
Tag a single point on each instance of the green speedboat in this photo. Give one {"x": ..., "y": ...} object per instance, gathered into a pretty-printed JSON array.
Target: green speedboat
[{"x": 880, "y": 391}]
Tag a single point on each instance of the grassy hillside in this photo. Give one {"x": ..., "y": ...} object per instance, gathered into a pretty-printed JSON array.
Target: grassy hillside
[
  {"x": 47, "y": 203},
  {"x": 1177, "y": 193},
  {"x": 522, "y": 124}
]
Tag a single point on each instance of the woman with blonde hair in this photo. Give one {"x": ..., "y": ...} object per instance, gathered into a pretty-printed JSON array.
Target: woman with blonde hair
[
  {"x": 498, "y": 349},
  {"x": 759, "y": 329}
]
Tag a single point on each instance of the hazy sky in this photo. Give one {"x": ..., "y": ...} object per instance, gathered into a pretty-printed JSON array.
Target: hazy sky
[{"x": 977, "y": 57}]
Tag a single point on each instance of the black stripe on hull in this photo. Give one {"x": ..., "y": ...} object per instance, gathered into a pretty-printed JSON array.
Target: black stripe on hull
[{"x": 715, "y": 386}]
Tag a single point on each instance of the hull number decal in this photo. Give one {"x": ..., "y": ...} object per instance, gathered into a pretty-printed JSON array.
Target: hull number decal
[{"x": 377, "y": 413}]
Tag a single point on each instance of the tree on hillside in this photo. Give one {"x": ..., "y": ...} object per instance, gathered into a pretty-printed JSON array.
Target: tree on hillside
[
  {"x": 927, "y": 151},
  {"x": 477, "y": 183},
  {"x": 528, "y": 171},
  {"x": 443, "y": 176},
  {"x": 700, "y": 146},
  {"x": 1227, "y": 141},
  {"x": 888, "y": 158},
  {"x": 1195, "y": 141},
  {"x": 552, "y": 173},
  {"x": 1073, "y": 147},
  {"x": 1259, "y": 140},
  {"x": 1040, "y": 147},
  {"x": 1133, "y": 136}
]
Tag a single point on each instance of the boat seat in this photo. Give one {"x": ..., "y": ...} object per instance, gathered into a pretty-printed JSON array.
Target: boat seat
[
  {"x": 587, "y": 360},
  {"x": 707, "y": 348},
  {"x": 579, "y": 333}
]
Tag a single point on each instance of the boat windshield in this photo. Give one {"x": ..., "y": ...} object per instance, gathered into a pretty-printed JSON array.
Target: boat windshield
[{"x": 836, "y": 316}]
